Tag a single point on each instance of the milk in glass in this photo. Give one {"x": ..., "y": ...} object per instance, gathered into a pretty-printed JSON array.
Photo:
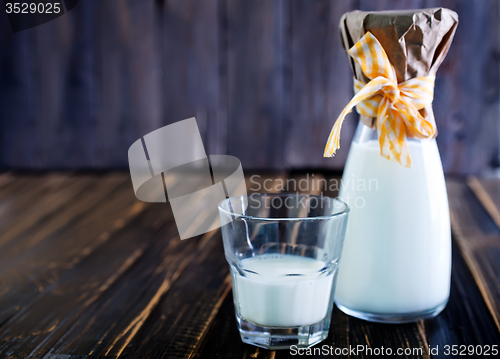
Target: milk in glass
[
  {"x": 397, "y": 252},
  {"x": 281, "y": 290}
]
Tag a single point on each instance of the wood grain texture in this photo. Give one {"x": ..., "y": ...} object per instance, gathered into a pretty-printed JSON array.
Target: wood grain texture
[
  {"x": 147, "y": 256},
  {"x": 190, "y": 66},
  {"x": 17, "y": 197},
  {"x": 265, "y": 79},
  {"x": 17, "y": 121},
  {"x": 6, "y": 178},
  {"x": 467, "y": 92},
  {"x": 181, "y": 319},
  {"x": 321, "y": 84},
  {"x": 479, "y": 240},
  {"x": 257, "y": 75},
  {"x": 49, "y": 195},
  {"x": 487, "y": 192},
  {"x": 466, "y": 320},
  {"x": 98, "y": 276},
  {"x": 35, "y": 329},
  {"x": 129, "y": 59},
  {"x": 38, "y": 255}
]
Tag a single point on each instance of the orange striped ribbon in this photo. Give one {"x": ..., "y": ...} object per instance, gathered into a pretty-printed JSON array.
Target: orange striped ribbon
[{"x": 395, "y": 106}]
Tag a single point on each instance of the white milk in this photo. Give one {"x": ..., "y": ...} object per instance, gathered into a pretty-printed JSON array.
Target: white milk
[
  {"x": 397, "y": 251},
  {"x": 274, "y": 298}
]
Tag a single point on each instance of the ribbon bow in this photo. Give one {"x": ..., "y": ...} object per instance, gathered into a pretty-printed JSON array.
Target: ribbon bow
[{"x": 395, "y": 106}]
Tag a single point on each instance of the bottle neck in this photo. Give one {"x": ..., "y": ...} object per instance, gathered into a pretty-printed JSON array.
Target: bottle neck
[{"x": 365, "y": 134}]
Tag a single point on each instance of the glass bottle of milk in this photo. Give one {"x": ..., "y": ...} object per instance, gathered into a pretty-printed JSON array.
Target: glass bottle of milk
[{"x": 396, "y": 261}]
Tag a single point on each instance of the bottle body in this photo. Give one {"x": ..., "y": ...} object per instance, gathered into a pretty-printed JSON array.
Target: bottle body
[{"x": 396, "y": 261}]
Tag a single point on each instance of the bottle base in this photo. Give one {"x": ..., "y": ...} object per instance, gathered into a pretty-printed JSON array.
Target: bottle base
[
  {"x": 280, "y": 337},
  {"x": 396, "y": 318}
]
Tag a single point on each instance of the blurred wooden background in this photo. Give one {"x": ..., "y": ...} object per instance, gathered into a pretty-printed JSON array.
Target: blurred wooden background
[{"x": 264, "y": 78}]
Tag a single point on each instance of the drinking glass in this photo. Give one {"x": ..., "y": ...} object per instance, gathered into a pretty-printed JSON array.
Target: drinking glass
[{"x": 283, "y": 251}]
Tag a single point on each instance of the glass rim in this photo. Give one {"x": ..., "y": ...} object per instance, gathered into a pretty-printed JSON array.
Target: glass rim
[{"x": 341, "y": 213}]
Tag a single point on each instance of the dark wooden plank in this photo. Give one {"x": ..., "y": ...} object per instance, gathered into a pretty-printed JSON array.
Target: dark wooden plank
[
  {"x": 53, "y": 193},
  {"x": 482, "y": 248},
  {"x": 139, "y": 32},
  {"x": 258, "y": 81},
  {"x": 129, "y": 55},
  {"x": 76, "y": 199},
  {"x": 479, "y": 241},
  {"x": 22, "y": 186},
  {"x": 38, "y": 256},
  {"x": 115, "y": 130},
  {"x": 223, "y": 339},
  {"x": 265, "y": 79},
  {"x": 10, "y": 85},
  {"x": 180, "y": 322},
  {"x": 107, "y": 325},
  {"x": 49, "y": 93},
  {"x": 53, "y": 45},
  {"x": 217, "y": 139},
  {"x": 466, "y": 319},
  {"x": 16, "y": 196},
  {"x": 36, "y": 327},
  {"x": 66, "y": 104},
  {"x": 190, "y": 67},
  {"x": 487, "y": 191},
  {"x": 76, "y": 90},
  {"x": 6, "y": 178},
  {"x": 17, "y": 106},
  {"x": 381, "y": 5},
  {"x": 15, "y": 185},
  {"x": 321, "y": 84},
  {"x": 166, "y": 298},
  {"x": 468, "y": 87}
]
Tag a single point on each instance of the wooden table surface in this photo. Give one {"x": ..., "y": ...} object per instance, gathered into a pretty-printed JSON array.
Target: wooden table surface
[{"x": 86, "y": 270}]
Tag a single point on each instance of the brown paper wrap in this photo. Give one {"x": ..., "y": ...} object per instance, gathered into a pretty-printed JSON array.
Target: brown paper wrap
[{"x": 416, "y": 42}]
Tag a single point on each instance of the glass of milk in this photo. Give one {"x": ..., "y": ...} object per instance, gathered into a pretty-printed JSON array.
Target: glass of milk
[
  {"x": 396, "y": 263},
  {"x": 283, "y": 251}
]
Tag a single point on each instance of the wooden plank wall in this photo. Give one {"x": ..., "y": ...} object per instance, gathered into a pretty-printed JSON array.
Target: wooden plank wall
[{"x": 265, "y": 79}]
